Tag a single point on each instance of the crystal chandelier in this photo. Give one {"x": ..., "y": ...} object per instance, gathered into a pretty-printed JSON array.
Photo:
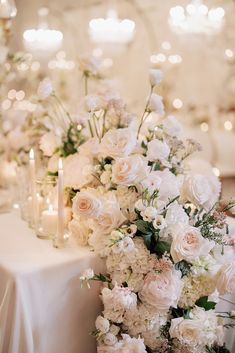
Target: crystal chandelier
[
  {"x": 42, "y": 39},
  {"x": 196, "y": 18},
  {"x": 111, "y": 29}
]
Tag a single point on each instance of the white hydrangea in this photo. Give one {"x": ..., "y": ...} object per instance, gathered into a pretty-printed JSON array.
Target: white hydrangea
[{"x": 123, "y": 298}]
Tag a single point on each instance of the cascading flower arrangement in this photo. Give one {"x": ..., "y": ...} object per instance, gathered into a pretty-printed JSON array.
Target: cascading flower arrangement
[{"x": 157, "y": 224}]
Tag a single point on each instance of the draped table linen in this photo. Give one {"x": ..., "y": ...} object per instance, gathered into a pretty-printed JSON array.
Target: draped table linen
[{"x": 43, "y": 308}]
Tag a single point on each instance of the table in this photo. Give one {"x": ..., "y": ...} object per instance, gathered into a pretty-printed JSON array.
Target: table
[{"x": 43, "y": 308}]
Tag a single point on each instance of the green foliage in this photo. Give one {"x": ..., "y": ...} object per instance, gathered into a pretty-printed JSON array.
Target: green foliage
[
  {"x": 203, "y": 302},
  {"x": 101, "y": 278},
  {"x": 162, "y": 247},
  {"x": 184, "y": 267},
  {"x": 179, "y": 312},
  {"x": 217, "y": 349},
  {"x": 151, "y": 238},
  {"x": 72, "y": 141}
]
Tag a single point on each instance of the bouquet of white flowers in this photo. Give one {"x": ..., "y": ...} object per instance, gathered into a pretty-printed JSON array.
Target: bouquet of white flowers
[{"x": 157, "y": 224}]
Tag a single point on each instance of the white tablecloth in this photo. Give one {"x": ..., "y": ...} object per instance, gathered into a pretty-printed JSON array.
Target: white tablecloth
[{"x": 43, "y": 308}]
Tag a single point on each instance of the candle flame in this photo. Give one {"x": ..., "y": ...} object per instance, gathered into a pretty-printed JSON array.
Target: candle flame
[
  {"x": 60, "y": 164},
  {"x": 31, "y": 154}
]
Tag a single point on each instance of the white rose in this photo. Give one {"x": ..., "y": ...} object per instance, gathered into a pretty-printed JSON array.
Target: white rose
[
  {"x": 110, "y": 339},
  {"x": 226, "y": 279},
  {"x": 188, "y": 243},
  {"x": 87, "y": 203},
  {"x": 171, "y": 126},
  {"x": 187, "y": 331},
  {"x": 89, "y": 148},
  {"x": 102, "y": 324},
  {"x": 155, "y": 76},
  {"x": 156, "y": 105},
  {"x": 158, "y": 151},
  {"x": 48, "y": 143},
  {"x": 45, "y": 88},
  {"x": 162, "y": 290},
  {"x": 201, "y": 190},
  {"x": 79, "y": 231},
  {"x": 130, "y": 170},
  {"x": 108, "y": 220},
  {"x": 118, "y": 143},
  {"x": 169, "y": 186},
  {"x": 152, "y": 182},
  {"x": 176, "y": 214},
  {"x": 77, "y": 171}
]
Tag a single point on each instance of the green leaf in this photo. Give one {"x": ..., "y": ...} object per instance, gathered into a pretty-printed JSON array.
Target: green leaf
[
  {"x": 217, "y": 349},
  {"x": 204, "y": 303},
  {"x": 183, "y": 266},
  {"x": 161, "y": 247},
  {"x": 142, "y": 226},
  {"x": 148, "y": 240}
]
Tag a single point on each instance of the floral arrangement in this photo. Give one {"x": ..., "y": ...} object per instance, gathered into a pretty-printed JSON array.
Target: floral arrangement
[{"x": 155, "y": 219}]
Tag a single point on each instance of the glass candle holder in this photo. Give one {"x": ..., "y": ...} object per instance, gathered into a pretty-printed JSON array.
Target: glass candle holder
[{"x": 46, "y": 213}]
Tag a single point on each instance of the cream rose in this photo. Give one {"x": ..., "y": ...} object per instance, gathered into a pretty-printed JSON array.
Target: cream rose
[
  {"x": 108, "y": 220},
  {"x": 87, "y": 203},
  {"x": 226, "y": 279},
  {"x": 186, "y": 331},
  {"x": 130, "y": 170},
  {"x": 118, "y": 143},
  {"x": 152, "y": 182},
  {"x": 80, "y": 231},
  {"x": 188, "y": 243},
  {"x": 201, "y": 190},
  {"x": 77, "y": 171},
  {"x": 158, "y": 151},
  {"x": 162, "y": 290}
]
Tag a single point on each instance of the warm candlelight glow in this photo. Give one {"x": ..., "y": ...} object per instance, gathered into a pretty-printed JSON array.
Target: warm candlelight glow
[
  {"x": 60, "y": 164},
  {"x": 31, "y": 154}
]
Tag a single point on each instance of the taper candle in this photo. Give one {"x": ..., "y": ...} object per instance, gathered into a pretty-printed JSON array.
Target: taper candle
[
  {"x": 32, "y": 176},
  {"x": 60, "y": 222}
]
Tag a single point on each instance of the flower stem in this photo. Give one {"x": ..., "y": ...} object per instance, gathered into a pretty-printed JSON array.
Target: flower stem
[{"x": 144, "y": 116}]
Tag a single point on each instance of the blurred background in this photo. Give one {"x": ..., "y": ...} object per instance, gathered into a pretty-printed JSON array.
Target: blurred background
[{"x": 193, "y": 42}]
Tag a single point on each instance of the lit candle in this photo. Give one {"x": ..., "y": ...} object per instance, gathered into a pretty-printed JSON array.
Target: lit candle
[
  {"x": 49, "y": 221},
  {"x": 60, "y": 221},
  {"x": 32, "y": 176}
]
